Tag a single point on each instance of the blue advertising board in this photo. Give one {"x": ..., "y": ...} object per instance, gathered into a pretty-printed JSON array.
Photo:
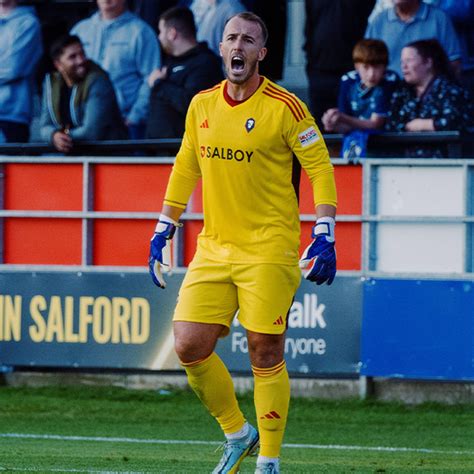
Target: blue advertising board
[
  {"x": 122, "y": 321},
  {"x": 323, "y": 331},
  {"x": 420, "y": 329}
]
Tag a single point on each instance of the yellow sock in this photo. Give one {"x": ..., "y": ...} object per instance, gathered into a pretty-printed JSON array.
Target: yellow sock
[
  {"x": 212, "y": 383},
  {"x": 271, "y": 397}
]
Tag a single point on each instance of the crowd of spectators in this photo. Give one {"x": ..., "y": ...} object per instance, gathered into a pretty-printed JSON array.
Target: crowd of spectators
[
  {"x": 130, "y": 69},
  {"x": 426, "y": 86}
]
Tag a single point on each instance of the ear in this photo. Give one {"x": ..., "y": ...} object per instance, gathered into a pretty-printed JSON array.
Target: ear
[
  {"x": 220, "y": 50},
  {"x": 262, "y": 53},
  {"x": 57, "y": 64},
  {"x": 172, "y": 34}
]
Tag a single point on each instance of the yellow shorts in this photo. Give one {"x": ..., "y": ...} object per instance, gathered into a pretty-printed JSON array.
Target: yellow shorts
[{"x": 212, "y": 292}]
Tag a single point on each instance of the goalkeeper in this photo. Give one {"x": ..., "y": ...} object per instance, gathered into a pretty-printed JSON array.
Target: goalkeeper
[{"x": 241, "y": 138}]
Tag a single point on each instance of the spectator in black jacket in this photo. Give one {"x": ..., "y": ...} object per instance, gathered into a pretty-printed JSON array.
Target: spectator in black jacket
[
  {"x": 189, "y": 68},
  {"x": 332, "y": 29}
]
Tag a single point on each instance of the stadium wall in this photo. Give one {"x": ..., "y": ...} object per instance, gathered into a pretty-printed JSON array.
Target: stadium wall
[{"x": 75, "y": 294}]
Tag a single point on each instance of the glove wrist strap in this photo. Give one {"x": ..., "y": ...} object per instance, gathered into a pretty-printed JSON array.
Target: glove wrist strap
[
  {"x": 325, "y": 226},
  {"x": 166, "y": 224}
]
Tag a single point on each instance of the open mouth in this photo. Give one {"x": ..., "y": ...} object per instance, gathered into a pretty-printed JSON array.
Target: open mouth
[{"x": 237, "y": 63}]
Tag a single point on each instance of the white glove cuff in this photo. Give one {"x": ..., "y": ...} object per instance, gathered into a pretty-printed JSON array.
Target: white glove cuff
[
  {"x": 325, "y": 226},
  {"x": 164, "y": 219}
]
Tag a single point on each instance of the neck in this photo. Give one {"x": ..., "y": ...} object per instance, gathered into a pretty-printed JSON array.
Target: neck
[
  {"x": 406, "y": 12},
  {"x": 111, "y": 14},
  {"x": 421, "y": 87},
  {"x": 183, "y": 47},
  {"x": 69, "y": 82},
  {"x": 241, "y": 92}
]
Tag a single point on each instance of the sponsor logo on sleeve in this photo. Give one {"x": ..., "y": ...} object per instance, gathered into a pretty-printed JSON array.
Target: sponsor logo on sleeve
[{"x": 309, "y": 136}]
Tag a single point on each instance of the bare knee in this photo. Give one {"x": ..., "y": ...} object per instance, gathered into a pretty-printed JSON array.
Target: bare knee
[
  {"x": 266, "y": 350},
  {"x": 195, "y": 341}
]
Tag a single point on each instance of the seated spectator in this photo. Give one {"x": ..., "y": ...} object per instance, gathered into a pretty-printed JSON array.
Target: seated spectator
[
  {"x": 364, "y": 94},
  {"x": 211, "y": 16},
  {"x": 127, "y": 48},
  {"x": 429, "y": 99},
  {"x": 20, "y": 51},
  {"x": 189, "y": 67},
  {"x": 78, "y": 99},
  {"x": 413, "y": 20},
  {"x": 364, "y": 98}
]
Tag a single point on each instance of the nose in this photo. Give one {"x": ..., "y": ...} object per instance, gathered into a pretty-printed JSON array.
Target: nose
[
  {"x": 238, "y": 43},
  {"x": 80, "y": 60}
]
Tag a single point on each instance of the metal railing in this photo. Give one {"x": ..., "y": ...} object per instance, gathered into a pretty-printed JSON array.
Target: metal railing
[
  {"x": 165, "y": 150},
  {"x": 455, "y": 143}
]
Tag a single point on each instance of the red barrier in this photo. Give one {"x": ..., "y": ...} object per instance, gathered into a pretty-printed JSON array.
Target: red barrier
[{"x": 134, "y": 187}]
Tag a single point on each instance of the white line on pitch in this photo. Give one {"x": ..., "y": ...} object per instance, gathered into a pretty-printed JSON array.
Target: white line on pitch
[
  {"x": 178, "y": 441},
  {"x": 91, "y": 471}
]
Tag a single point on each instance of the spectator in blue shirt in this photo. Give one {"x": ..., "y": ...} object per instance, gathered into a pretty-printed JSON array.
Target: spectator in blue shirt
[
  {"x": 211, "y": 16},
  {"x": 20, "y": 51},
  {"x": 413, "y": 20},
  {"x": 461, "y": 13},
  {"x": 127, "y": 48},
  {"x": 365, "y": 93}
]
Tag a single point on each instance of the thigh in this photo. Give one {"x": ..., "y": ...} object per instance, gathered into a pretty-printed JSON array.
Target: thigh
[
  {"x": 207, "y": 295},
  {"x": 265, "y": 294}
]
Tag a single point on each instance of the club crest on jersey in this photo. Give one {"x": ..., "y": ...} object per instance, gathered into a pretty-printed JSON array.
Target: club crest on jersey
[
  {"x": 249, "y": 124},
  {"x": 309, "y": 136}
]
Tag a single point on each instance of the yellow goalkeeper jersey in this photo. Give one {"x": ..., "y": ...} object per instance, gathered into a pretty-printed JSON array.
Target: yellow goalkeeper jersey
[{"x": 244, "y": 153}]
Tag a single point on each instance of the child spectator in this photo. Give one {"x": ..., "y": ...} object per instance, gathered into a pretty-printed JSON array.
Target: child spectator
[{"x": 364, "y": 96}]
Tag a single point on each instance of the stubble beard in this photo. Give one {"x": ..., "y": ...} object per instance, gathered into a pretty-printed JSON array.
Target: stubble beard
[{"x": 239, "y": 80}]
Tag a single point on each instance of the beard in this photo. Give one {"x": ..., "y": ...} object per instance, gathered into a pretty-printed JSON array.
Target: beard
[{"x": 241, "y": 79}]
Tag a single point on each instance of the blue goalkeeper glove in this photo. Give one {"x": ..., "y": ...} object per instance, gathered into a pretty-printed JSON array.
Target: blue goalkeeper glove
[
  {"x": 319, "y": 258},
  {"x": 160, "y": 250}
]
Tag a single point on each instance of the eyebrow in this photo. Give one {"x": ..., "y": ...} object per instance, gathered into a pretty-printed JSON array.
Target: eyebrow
[{"x": 244, "y": 35}]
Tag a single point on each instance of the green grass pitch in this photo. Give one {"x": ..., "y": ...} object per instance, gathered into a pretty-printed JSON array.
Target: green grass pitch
[{"x": 105, "y": 430}]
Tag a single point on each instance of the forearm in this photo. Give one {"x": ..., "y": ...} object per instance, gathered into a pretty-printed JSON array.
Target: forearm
[
  {"x": 46, "y": 125},
  {"x": 374, "y": 123},
  {"x": 421, "y": 125},
  {"x": 97, "y": 110},
  {"x": 139, "y": 111},
  {"x": 172, "y": 211},
  {"x": 325, "y": 210}
]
